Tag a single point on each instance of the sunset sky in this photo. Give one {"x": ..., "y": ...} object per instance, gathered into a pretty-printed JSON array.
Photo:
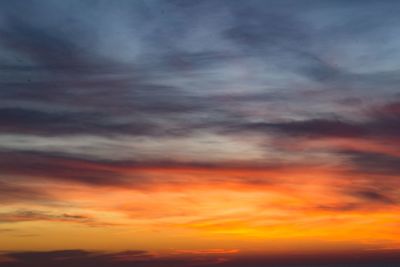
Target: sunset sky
[{"x": 199, "y": 133}]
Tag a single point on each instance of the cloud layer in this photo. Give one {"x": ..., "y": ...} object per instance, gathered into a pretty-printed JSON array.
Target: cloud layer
[{"x": 223, "y": 123}]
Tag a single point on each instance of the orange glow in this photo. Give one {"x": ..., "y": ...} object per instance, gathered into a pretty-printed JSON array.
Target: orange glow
[{"x": 210, "y": 209}]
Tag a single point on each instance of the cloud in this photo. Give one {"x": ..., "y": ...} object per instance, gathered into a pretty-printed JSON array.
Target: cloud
[
  {"x": 87, "y": 258},
  {"x": 20, "y": 216},
  {"x": 373, "y": 163},
  {"x": 320, "y": 128},
  {"x": 57, "y": 167},
  {"x": 64, "y": 167},
  {"x": 19, "y": 120},
  {"x": 62, "y": 83},
  {"x": 47, "y": 50},
  {"x": 381, "y": 123},
  {"x": 143, "y": 258},
  {"x": 277, "y": 87},
  {"x": 374, "y": 196},
  {"x": 66, "y": 88},
  {"x": 11, "y": 192},
  {"x": 31, "y": 215},
  {"x": 208, "y": 252},
  {"x": 343, "y": 207}
]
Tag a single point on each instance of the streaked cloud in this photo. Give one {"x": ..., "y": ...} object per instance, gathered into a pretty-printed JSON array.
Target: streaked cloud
[{"x": 211, "y": 129}]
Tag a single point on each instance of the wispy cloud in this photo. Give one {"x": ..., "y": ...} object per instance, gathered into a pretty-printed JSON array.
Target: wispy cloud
[{"x": 223, "y": 122}]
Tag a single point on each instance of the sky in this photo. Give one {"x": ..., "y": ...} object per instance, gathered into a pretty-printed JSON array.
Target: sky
[{"x": 199, "y": 133}]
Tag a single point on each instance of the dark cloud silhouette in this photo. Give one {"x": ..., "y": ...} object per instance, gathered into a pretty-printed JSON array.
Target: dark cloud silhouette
[
  {"x": 373, "y": 163},
  {"x": 374, "y": 196},
  {"x": 87, "y": 258},
  {"x": 142, "y": 258},
  {"x": 378, "y": 197}
]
